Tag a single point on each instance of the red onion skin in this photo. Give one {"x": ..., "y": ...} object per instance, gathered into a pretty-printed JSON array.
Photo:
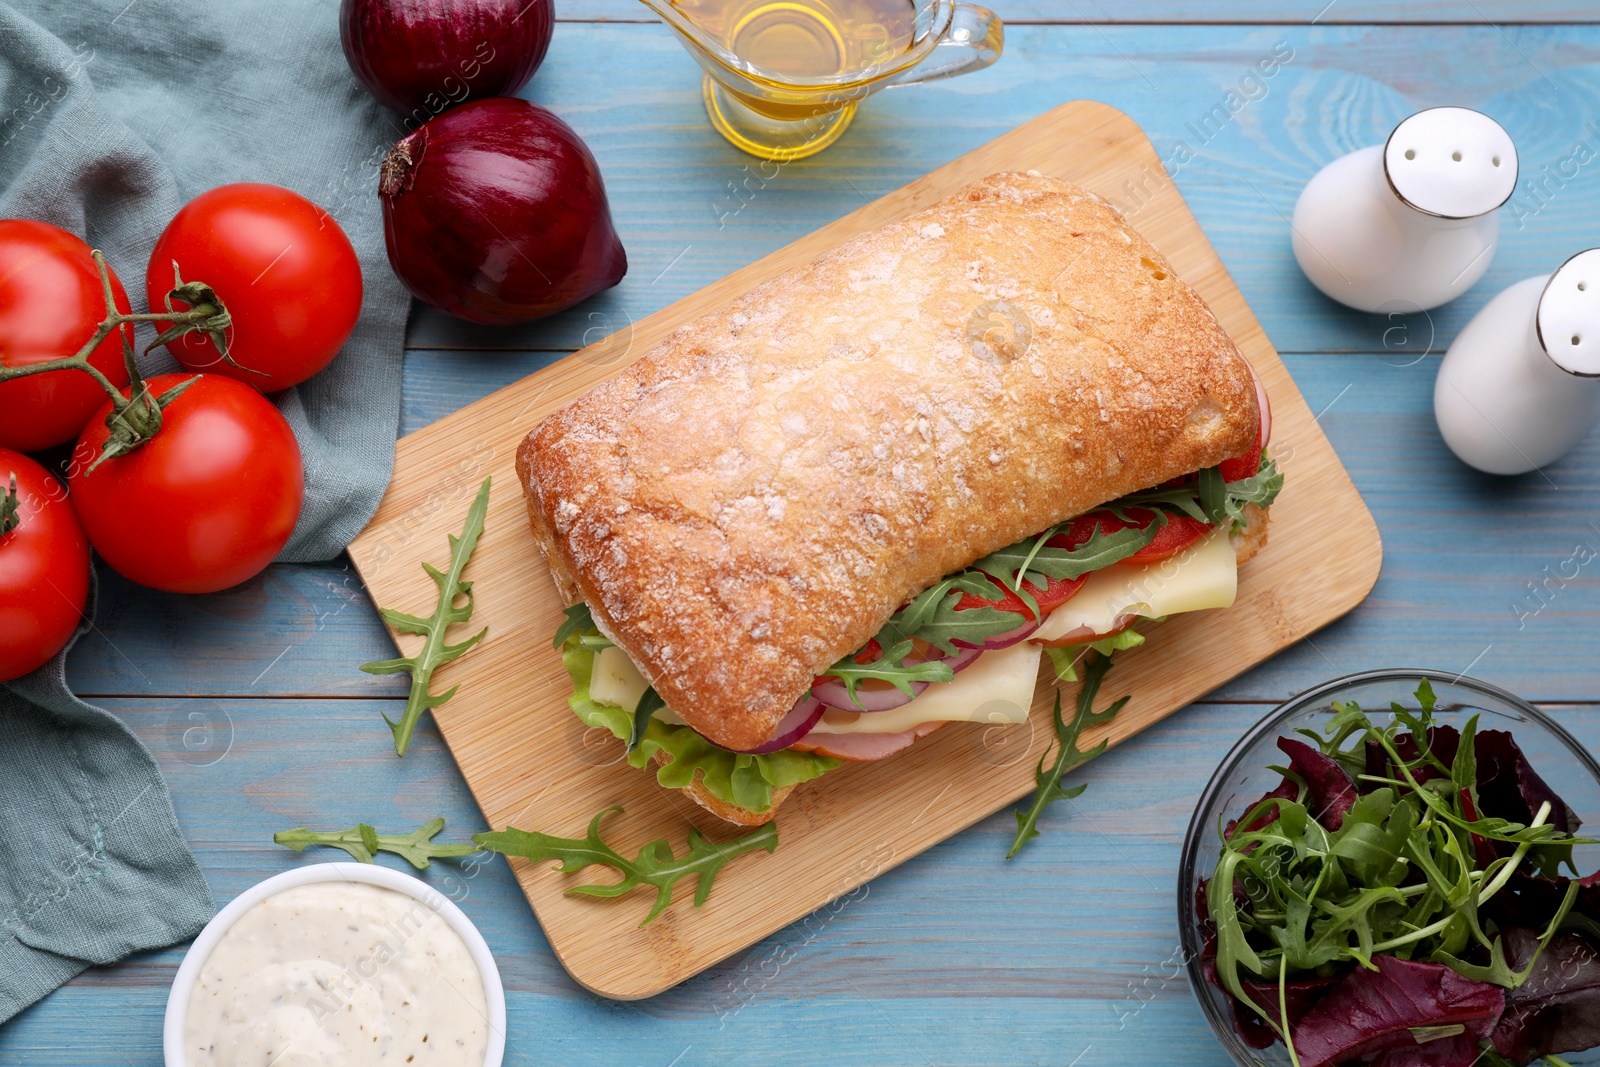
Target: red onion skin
[
  {"x": 805, "y": 714},
  {"x": 495, "y": 212},
  {"x": 424, "y": 56}
]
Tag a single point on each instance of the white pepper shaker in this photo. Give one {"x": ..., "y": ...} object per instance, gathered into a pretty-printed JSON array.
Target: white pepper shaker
[
  {"x": 1410, "y": 224},
  {"x": 1520, "y": 385}
]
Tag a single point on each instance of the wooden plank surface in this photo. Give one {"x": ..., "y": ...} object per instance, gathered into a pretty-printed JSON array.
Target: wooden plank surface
[
  {"x": 511, "y": 714},
  {"x": 1067, "y": 951}
]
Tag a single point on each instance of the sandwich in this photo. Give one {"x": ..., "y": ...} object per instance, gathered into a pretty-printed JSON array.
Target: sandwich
[{"x": 873, "y": 496}]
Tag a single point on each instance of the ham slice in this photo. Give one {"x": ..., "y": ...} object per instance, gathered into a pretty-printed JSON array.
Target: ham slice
[{"x": 863, "y": 748}]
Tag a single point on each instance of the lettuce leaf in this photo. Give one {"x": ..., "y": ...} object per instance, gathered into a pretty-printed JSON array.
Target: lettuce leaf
[
  {"x": 1064, "y": 659},
  {"x": 732, "y": 777}
]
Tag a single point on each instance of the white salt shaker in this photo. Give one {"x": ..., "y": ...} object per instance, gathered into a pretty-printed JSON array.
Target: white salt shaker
[
  {"x": 1410, "y": 224},
  {"x": 1520, "y": 386}
]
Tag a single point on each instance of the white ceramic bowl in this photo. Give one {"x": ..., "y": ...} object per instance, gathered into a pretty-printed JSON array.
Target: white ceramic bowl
[{"x": 189, "y": 970}]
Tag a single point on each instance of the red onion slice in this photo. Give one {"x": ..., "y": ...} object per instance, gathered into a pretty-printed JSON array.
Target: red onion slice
[
  {"x": 1266, "y": 408},
  {"x": 963, "y": 659},
  {"x": 832, "y": 692},
  {"x": 1007, "y": 639},
  {"x": 795, "y": 725}
]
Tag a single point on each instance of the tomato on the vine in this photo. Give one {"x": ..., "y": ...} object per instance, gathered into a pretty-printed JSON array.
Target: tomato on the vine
[
  {"x": 283, "y": 268},
  {"x": 44, "y": 566},
  {"x": 203, "y": 505},
  {"x": 51, "y": 303}
]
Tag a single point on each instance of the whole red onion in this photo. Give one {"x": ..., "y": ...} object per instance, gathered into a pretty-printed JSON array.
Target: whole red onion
[
  {"x": 424, "y": 56},
  {"x": 495, "y": 212}
]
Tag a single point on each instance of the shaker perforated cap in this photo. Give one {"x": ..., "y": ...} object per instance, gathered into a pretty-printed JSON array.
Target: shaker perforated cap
[
  {"x": 1452, "y": 162},
  {"x": 1569, "y": 315}
]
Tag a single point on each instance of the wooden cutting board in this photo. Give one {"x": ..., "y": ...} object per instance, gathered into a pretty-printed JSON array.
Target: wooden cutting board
[{"x": 531, "y": 764}]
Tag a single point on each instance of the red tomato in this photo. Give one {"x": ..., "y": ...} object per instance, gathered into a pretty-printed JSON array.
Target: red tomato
[
  {"x": 281, "y": 265},
  {"x": 50, "y": 304},
  {"x": 1179, "y": 533},
  {"x": 1055, "y": 594},
  {"x": 204, "y": 505},
  {"x": 44, "y": 568},
  {"x": 1246, "y": 465}
]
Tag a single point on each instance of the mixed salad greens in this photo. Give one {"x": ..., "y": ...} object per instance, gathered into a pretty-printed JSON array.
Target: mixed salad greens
[{"x": 1399, "y": 899}]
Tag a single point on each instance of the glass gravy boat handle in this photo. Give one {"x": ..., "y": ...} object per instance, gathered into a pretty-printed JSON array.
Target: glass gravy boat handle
[{"x": 973, "y": 40}]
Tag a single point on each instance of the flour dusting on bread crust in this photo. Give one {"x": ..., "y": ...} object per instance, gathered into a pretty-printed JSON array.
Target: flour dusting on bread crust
[{"x": 754, "y": 497}]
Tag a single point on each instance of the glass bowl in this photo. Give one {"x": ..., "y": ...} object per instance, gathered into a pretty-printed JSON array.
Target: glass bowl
[{"x": 1243, "y": 778}]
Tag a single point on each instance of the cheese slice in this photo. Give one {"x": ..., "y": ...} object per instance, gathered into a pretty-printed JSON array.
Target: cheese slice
[
  {"x": 615, "y": 679},
  {"x": 1204, "y": 575},
  {"x": 997, "y": 687}
]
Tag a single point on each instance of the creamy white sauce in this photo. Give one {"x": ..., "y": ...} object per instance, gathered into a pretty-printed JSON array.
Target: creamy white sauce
[{"x": 340, "y": 973}]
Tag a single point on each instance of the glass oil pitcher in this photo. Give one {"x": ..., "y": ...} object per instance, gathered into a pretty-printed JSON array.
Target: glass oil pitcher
[{"x": 783, "y": 77}]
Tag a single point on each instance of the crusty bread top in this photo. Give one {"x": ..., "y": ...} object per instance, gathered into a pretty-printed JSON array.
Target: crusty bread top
[{"x": 754, "y": 497}]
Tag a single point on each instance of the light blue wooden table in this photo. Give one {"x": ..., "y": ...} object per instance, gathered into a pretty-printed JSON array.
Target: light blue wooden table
[{"x": 1068, "y": 954}]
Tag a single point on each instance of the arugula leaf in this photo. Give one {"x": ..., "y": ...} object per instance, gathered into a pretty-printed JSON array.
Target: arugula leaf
[
  {"x": 1210, "y": 499},
  {"x": 932, "y": 614},
  {"x": 889, "y": 667},
  {"x": 1035, "y": 557},
  {"x": 655, "y": 865},
  {"x": 578, "y": 619},
  {"x": 363, "y": 842},
  {"x": 1067, "y": 753},
  {"x": 435, "y": 650},
  {"x": 650, "y": 702}
]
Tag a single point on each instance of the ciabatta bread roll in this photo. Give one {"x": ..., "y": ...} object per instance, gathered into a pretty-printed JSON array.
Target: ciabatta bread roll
[{"x": 754, "y": 497}]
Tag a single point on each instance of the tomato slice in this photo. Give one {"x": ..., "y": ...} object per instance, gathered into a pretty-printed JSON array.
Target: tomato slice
[
  {"x": 1056, "y": 592},
  {"x": 1179, "y": 533}
]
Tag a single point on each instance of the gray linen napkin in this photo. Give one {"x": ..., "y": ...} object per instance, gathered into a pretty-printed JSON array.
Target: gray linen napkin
[
  {"x": 92, "y": 866},
  {"x": 113, "y": 113}
]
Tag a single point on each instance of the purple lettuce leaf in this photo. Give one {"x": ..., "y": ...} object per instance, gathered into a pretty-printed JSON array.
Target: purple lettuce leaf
[
  {"x": 1286, "y": 790},
  {"x": 1509, "y": 787},
  {"x": 1558, "y": 1008},
  {"x": 1458, "y": 1051},
  {"x": 1299, "y": 996},
  {"x": 1373, "y": 1012},
  {"x": 1442, "y": 742},
  {"x": 1332, "y": 792}
]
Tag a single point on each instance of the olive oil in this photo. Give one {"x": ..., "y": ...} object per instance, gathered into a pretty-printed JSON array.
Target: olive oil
[{"x": 808, "y": 39}]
